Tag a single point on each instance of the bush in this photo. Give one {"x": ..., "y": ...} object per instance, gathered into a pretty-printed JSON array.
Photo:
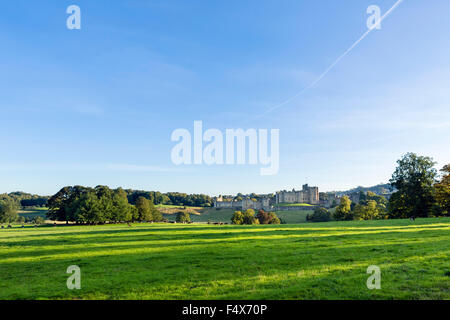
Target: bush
[
  {"x": 319, "y": 215},
  {"x": 267, "y": 217},
  {"x": 39, "y": 220},
  {"x": 237, "y": 218},
  {"x": 249, "y": 217},
  {"x": 183, "y": 217}
]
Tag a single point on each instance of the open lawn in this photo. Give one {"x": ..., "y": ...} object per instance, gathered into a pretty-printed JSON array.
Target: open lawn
[{"x": 167, "y": 261}]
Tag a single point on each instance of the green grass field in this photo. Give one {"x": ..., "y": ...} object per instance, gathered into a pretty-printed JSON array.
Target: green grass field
[
  {"x": 166, "y": 261},
  {"x": 293, "y": 205},
  {"x": 32, "y": 213},
  {"x": 224, "y": 215}
]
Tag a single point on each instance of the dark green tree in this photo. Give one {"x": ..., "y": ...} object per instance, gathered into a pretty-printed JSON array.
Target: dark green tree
[
  {"x": 319, "y": 215},
  {"x": 413, "y": 178},
  {"x": 8, "y": 210},
  {"x": 183, "y": 217},
  {"x": 442, "y": 190},
  {"x": 144, "y": 209}
]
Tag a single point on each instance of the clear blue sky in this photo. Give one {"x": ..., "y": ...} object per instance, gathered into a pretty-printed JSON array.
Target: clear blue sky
[{"x": 98, "y": 105}]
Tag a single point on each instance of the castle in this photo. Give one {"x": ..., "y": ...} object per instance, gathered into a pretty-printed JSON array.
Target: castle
[
  {"x": 308, "y": 195},
  {"x": 243, "y": 204}
]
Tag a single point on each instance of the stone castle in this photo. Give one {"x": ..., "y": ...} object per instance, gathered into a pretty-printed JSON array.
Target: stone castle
[
  {"x": 243, "y": 204},
  {"x": 309, "y": 195}
]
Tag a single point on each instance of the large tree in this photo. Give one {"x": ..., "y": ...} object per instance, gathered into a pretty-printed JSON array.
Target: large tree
[
  {"x": 144, "y": 209},
  {"x": 442, "y": 190},
  {"x": 413, "y": 178},
  {"x": 8, "y": 210},
  {"x": 343, "y": 210}
]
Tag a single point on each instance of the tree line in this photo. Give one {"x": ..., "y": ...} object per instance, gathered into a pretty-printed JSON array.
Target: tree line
[
  {"x": 99, "y": 205},
  {"x": 171, "y": 198}
]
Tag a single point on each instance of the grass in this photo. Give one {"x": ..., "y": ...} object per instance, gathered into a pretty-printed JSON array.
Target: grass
[
  {"x": 32, "y": 213},
  {"x": 165, "y": 261},
  {"x": 293, "y": 205},
  {"x": 171, "y": 209},
  {"x": 293, "y": 216}
]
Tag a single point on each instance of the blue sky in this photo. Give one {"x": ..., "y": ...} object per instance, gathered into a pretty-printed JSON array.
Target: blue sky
[{"x": 98, "y": 105}]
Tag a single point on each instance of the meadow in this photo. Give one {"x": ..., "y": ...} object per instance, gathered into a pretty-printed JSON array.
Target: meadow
[
  {"x": 212, "y": 215},
  {"x": 173, "y": 261}
]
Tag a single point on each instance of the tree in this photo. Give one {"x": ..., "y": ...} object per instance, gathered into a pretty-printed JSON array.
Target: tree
[
  {"x": 144, "y": 209},
  {"x": 413, "y": 178},
  {"x": 8, "y": 210},
  {"x": 274, "y": 218},
  {"x": 62, "y": 206},
  {"x": 319, "y": 215},
  {"x": 442, "y": 190},
  {"x": 156, "y": 215},
  {"x": 343, "y": 209},
  {"x": 39, "y": 220},
  {"x": 121, "y": 209},
  {"x": 88, "y": 209},
  {"x": 237, "y": 218},
  {"x": 370, "y": 211},
  {"x": 249, "y": 217},
  {"x": 263, "y": 217},
  {"x": 267, "y": 217},
  {"x": 183, "y": 217}
]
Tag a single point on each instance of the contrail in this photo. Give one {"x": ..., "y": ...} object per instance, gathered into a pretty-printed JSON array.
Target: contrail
[{"x": 334, "y": 63}]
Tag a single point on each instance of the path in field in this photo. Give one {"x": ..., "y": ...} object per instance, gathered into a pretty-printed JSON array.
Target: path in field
[{"x": 305, "y": 261}]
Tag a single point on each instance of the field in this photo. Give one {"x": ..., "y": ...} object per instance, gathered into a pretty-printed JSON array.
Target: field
[
  {"x": 172, "y": 261},
  {"x": 32, "y": 213},
  {"x": 224, "y": 215}
]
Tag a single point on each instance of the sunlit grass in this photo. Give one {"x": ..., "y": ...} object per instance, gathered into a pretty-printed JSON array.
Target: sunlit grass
[{"x": 165, "y": 261}]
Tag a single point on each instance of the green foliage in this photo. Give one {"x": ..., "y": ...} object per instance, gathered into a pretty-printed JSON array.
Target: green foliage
[
  {"x": 249, "y": 217},
  {"x": 183, "y": 217},
  {"x": 38, "y": 220},
  {"x": 267, "y": 217},
  {"x": 237, "y": 218},
  {"x": 143, "y": 208},
  {"x": 171, "y": 198},
  {"x": 343, "y": 209},
  {"x": 370, "y": 211},
  {"x": 319, "y": 215},
  {"x": 413, "y": 178},
  {"x": 8, "y": 209},
  {"x": 99, "y": 205},
  {"x": 442, "y": 190}
]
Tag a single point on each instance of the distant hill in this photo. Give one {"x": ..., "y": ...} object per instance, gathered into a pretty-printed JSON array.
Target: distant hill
[{"x": 378, "y": 189}]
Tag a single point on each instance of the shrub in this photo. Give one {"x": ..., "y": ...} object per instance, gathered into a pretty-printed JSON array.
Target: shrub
[
  {"x": 237, "y": 218},
  {"x": 267, "y": 217},
  {"x": 319, "y": 215},
  {"x": 183, "y": 217},
  {"x": 39, "y": 220}
]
